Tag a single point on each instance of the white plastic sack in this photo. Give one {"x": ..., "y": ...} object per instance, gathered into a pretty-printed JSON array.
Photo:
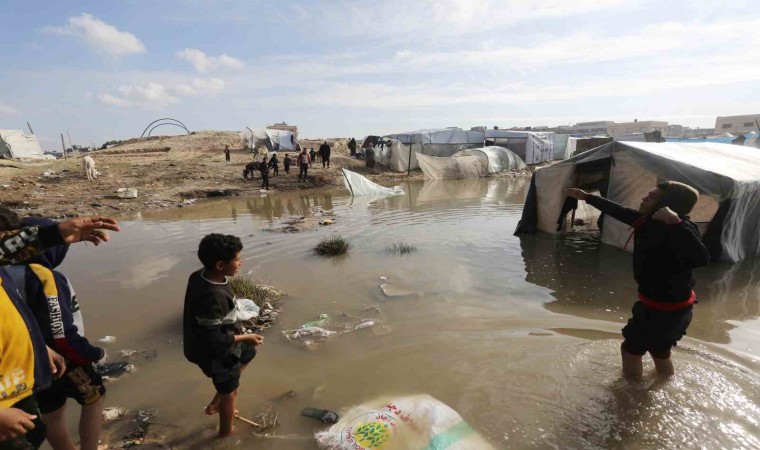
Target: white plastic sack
[
  {"x": 126, "y": 192},
  {"x": 358, "y": 185},
  {"x": 246, "y": 309},
  {"x": 417, "y": 422}
]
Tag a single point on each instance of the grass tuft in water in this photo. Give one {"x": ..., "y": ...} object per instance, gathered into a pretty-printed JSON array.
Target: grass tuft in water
[
  {"x": 400, "y": 248},
  {"x": 256, "y": 290},
  {"x": 333, "y": 245}
]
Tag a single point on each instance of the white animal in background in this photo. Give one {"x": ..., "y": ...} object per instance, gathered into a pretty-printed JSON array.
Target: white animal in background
[{"x": 89, "y": 168}]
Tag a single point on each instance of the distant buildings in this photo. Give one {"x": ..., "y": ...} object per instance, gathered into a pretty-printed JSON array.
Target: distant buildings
[
  {"x": 644, "y": 126},
  {"x": 285, "y": 127},
  {"x": 590, "y": 128},
  {"x": 737, "y": 124}
]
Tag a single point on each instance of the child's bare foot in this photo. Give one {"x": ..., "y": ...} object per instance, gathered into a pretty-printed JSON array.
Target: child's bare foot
[{"x": 213, "y": 409}]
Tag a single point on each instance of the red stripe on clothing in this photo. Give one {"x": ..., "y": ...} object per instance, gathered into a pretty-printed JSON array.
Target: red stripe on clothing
[{"x": 662, "y": 306}]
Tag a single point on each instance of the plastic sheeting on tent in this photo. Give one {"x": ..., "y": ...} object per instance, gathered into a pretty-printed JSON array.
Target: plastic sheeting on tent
[
  {"x": 499, "y": 158},
  {"x": 440, "y": 142},
  {"x": 578, "y": 145},
  {"x": 396, "y": 155},
  {"x": 15, "y": 144},
  {"x": 358, "y": 185},
  {"x": 727, "y": 176},
  {"x": 560, "y": 147},
  {"x": 273, "y": 140},
  {"x": 532, "y": 146},
  {"x": 456, "y": 167},
  {"x": 416, "y": 422}
]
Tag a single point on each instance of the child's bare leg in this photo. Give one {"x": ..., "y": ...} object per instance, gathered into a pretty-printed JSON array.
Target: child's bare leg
[
  {"x": 663, "y": 366},
  {"x": 213, "y": 406},
  {"x": 633, "y": 366},
  {"x": 57, "y": 434},
  {"x": 89, "y": 425},
  {"x": 227, "y": 413}
]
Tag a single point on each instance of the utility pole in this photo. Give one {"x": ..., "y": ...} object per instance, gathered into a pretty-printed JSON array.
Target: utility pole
[
  {"x": 63, "y": 144},
  {"x": 30, "y": 128},
  {"x": 67, "y": 134}
]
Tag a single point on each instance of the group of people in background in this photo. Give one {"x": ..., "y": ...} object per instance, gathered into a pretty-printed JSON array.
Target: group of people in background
[{"x": 303, "y": 160}]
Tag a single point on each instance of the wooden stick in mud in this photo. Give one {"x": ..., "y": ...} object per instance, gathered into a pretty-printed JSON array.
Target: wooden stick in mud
[{"x": 249, "y": 422}]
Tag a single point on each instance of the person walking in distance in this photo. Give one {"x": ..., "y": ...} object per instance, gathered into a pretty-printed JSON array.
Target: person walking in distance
[
  {"x": 304, "y": 160},
  {"x": 286, "y": 162},
  {"x": 275, "y": 163},
  {"x": 227, "y": 153},
  {"x": 324, "y": 153},
  {"x": 264, "y": 169}
]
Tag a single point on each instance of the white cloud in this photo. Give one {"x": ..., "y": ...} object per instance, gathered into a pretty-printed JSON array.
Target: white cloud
[
  {"x": 100, "y": 35},
  {"x": 203, "y": 62},
  {"x": 201, "y": 86},
  {"x": 157, "y": 95},
  {"x": 7, "y": 109}
]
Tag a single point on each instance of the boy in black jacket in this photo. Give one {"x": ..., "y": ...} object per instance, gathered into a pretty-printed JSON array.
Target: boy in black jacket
[
  {"x": 667, "y": 246},
  {"x": 212, "y": 337}
]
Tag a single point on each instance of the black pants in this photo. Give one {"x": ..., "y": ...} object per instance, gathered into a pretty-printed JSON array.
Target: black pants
[
  {"x": 325, "y": 162},
  {"x": 227, "y": 157},
  {"x": 33, "y": 439},
  {"x": 287, "y": 169},
  {"x": 302, "y": 173},
  {"x": 264, "y": 180},
  {"x": 275, "y": 170}
]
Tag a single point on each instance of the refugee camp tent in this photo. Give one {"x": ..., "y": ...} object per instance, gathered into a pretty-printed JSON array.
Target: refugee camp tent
[
  {"x": 473, "y": 163},
  {"x": 578, "y": 145},
  {"x": 559, "y": 141},
  {"x": 440, "y": 142},
  {"x": 727, "y": 176},
  {"x": 533, "y": 147},
  {"x": 14, "y": 144},
  {"x": 273, "y": 140}
]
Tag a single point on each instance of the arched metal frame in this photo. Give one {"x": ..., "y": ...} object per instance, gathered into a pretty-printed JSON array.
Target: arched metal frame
[
  {"x": 179, "y": 124},
  {"x": 167, "y": 123}
]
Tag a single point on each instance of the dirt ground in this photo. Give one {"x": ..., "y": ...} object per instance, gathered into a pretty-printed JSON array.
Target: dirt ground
[{"x": 167, "y": 171}]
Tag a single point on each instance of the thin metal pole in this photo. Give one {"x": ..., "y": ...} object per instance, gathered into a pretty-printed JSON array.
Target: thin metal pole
[
  {"x": 409, "y": 163},
  {"x": 30, "y": 128},
  {"x": 67, "y": 134},
  {"x": 63, "y": 144}
]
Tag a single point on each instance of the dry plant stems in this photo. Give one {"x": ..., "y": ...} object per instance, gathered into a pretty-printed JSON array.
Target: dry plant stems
[
  {"x": 400, "y": 248},
  {"x": 254, "y": 289},
  {"x": 333, "y": 245}
]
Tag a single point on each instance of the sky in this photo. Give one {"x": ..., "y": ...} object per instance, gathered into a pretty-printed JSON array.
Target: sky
[{"x": 104, "y": 70}]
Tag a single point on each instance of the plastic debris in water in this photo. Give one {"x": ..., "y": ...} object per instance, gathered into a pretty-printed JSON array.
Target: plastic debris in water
[
  {"x": 126, "y": 353},
  {"x": 107, "y": 339},
  {"x": 113, "y": 413}
]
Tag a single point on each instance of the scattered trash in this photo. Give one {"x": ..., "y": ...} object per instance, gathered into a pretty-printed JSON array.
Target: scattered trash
[
  {"x": 417, "y": 421},
  {"x": 323, "y": 415},
  {"x": 107, "y": 339},
  {"x": 384, "y": 278},
  {"x": 365, "y": 324},
  {"x": 114, "y": 370},
  {"x": 392, "y": 290},
  {"x": 189, "y": 201},
  {"x": 313, "y": 334},
  {"x": 323, "y": 318},
  {"x": 264, "y": 423},
  {"x": 246, "y": 309},
  {"x": 4, "y": 186},
  {"x": 127, "y": 192},
  {"x": 126, "y": 353},
  {"x": 113, "y": 413},
  {"x": 326, "y": 222}
]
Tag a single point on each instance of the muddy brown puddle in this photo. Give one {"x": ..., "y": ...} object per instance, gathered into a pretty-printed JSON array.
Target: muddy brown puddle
[{"x": 519, "y": 335}]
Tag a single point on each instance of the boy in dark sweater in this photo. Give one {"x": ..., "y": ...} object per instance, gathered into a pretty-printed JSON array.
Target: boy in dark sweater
[
  {"x": 213, "y": 339},
  {"x": 667, "y": 247}
]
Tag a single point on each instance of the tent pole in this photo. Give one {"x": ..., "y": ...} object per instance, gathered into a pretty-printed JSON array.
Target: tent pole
[
  {"x": 409, "y": 163},
  {"x": 30, "y": 128},
  {"x": 67, "y": 134},
  {"x": 63, "y": 144}
]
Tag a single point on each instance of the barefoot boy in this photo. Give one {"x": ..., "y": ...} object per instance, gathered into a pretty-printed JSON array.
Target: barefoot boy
[
  {"x": 212, "y": 337},
  {"x": 667, "y": 246}
]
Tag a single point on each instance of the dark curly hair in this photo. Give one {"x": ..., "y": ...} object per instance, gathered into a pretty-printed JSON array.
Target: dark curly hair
[
  {"x": 9, "y": 220},
  {"x": 218, "y": 247}
]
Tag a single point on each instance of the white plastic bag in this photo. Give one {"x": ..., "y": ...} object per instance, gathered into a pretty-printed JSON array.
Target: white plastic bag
[
  {"x": 417, "y": 422},
  {"x": 246, "y": 309}
]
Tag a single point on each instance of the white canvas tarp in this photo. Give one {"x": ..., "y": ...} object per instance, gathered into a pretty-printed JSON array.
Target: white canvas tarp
[
  {"x": 440, "y": 142},
  {"x": 560, "y": 147},
  {"x": 396, "y": 156},
  {"x": 721, "y": 172},
  {"x": 457, "y": 167},
  {"x": 533, "y": 147},
  {"x": 358, "y": 185},
  {"x": 273, "y": 140},
  {"x": 15, "y": 144}
]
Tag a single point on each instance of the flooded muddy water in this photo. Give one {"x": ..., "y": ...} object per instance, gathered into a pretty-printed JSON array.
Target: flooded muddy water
[{"x": 520, "y": 336}]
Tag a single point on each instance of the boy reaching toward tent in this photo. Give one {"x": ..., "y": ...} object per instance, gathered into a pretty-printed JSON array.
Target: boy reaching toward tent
[
  {"x": 667, "y": 247},
  {"x": 212, "y": 337}
]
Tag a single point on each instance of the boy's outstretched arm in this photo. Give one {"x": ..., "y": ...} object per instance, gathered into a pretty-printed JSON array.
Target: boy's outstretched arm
[{"x": 615, "y": 210}]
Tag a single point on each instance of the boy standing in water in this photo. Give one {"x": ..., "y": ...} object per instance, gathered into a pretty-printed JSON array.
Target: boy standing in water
[
  {"x": 667, "y": 247},
  {"x": 212, "y": 337}
]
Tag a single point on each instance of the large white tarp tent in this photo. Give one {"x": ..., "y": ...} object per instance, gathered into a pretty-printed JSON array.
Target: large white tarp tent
[
  {"x": 727, "y": 176},
  {"x": 473, "y": 163},
  {"x": 560, "y": 146},
  {"x": 440, "y": 142},
  {"x": 395, "y": 155},
  {"x": 273, "y": 140},
  {"x": 532, "y": 146},
  {"x": 16, "y": 145}
]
